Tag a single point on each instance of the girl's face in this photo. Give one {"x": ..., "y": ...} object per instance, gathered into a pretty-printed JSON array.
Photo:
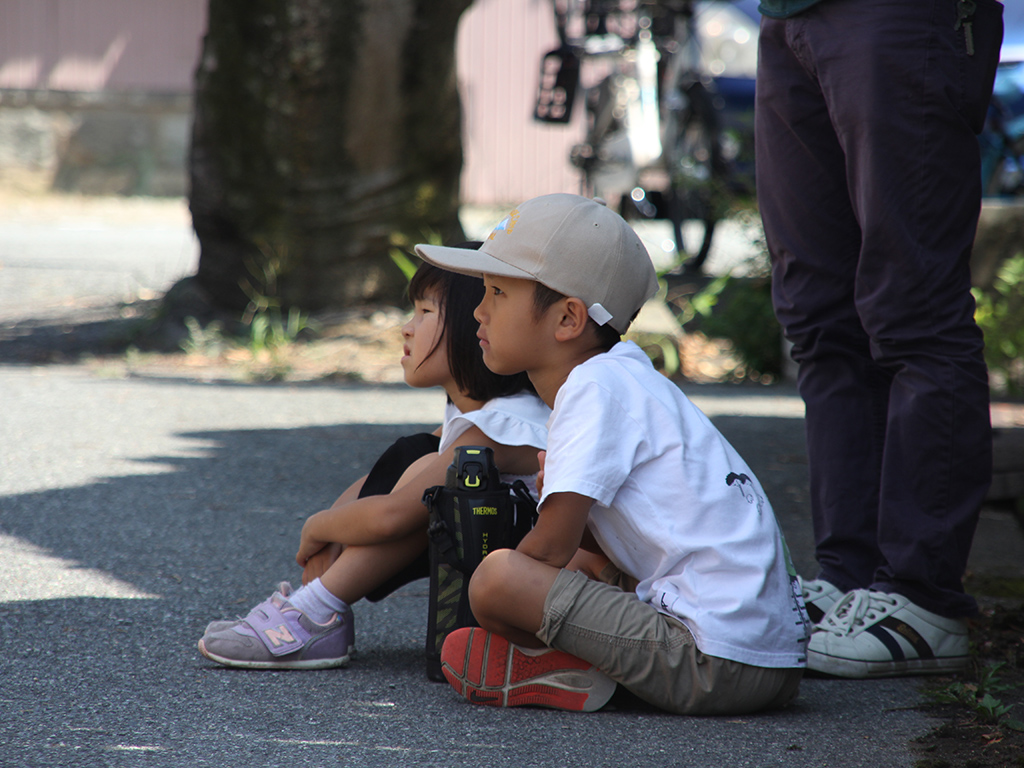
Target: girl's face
[{"x": 422, "y": 334}]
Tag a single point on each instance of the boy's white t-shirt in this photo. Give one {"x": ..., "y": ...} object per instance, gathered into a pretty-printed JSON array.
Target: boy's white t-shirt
[
  {"x": 677, "y": 508},
  {"x": 514, "y": 420}
]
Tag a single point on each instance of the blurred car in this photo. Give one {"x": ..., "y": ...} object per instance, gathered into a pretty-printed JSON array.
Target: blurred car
[
  {"x": 728, "y": 33},
  {"x": 1002, "y": 140}
]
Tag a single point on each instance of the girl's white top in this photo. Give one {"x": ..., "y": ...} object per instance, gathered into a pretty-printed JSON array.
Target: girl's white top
[{"x": 514, "y": 420}]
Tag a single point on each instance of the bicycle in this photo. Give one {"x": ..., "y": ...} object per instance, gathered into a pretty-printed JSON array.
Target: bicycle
[{"x": 653, "y": 143}]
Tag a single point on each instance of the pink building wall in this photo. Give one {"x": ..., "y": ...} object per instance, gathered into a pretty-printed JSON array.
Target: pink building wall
[
  {"x": 509, "y": 156},
  {"x": 123, "y": 46},
  {"x": 93, "y": 45}
]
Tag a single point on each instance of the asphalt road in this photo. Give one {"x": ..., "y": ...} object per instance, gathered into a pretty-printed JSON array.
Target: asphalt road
[
  {"x": 62, "y": 254},
  {"x": 133, "y": 511}
]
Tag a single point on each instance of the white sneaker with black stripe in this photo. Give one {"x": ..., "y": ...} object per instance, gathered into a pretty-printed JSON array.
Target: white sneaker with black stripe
[
  {"x": 876, "y": 634},
  {"x": 819, "y": 597}
]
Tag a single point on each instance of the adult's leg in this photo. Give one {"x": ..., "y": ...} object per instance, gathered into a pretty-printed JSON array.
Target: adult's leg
[
  {"x": 915, "y": 179},
  {"x": 906, "y": 98},
  {"x": 815, "y": 240}
]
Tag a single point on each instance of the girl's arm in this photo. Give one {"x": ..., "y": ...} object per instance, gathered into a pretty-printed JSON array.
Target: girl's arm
[
  {"x": 378, "y": 519},
  {"x": 318, "y": 564}
]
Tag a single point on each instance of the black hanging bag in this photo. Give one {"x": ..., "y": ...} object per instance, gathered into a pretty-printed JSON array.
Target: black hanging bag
[
  {"x": 559, "y": 78},
  {"x": 471, "y": 515}
]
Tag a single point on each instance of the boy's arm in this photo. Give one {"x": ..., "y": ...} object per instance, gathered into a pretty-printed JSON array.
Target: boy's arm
[{"x": 559, "y": 531}]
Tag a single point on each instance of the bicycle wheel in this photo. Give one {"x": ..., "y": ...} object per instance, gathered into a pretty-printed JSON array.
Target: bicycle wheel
[
  {"x": 697, "y": 193},
  {"x": 603, "y": 158}
]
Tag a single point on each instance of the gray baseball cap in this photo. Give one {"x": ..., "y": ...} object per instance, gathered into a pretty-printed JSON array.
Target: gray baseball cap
[{"x": 573, "y": 245}]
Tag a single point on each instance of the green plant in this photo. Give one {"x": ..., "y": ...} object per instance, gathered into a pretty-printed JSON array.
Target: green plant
[
  {"x": 737, "y": 307},
  {"x": 660, "y": 340},
  {"x": 661, "y": 349},
  {"x": 269, "y": 328},
  {"x": 1000, "y": 314},
  {"x": 403, "y": 262},
  {"x": 740, "y": 309},
  {"x": 670, "y": 362},
  {"x": 979, "y": 698},
  {"x": 704, "y": 301},
  {"x": 209, "y": 341},
  {"x": 402, "y": 245}
]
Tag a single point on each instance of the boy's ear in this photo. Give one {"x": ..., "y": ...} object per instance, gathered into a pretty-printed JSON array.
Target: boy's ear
[{"x": 572, "y": 320}]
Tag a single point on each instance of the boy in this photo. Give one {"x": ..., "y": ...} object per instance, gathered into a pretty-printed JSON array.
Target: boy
[{"x": 682, "y": 592}]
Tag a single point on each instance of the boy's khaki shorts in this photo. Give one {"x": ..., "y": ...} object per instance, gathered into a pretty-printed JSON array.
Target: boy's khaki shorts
[{"x": 651, "y": 654}]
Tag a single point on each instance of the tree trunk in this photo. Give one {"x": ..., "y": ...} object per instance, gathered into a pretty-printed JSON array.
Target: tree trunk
[{"x": 324, "y": 132}]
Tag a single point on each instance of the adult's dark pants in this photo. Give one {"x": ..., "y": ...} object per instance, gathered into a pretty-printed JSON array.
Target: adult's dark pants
[{"x": 869, "y": 185}]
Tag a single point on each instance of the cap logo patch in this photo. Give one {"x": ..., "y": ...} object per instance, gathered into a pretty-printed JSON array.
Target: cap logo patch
[{"x": 506, "y": 225}]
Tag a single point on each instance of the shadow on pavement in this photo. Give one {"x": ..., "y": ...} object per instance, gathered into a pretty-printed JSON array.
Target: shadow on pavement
[{"x": 92, "y": 677}]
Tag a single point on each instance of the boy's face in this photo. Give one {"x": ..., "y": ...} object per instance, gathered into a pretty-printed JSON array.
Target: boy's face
[{"x": 508, "y": 330}]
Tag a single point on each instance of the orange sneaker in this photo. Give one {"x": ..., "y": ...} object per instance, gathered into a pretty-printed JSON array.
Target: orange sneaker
[{"x": 487, "y": 669}]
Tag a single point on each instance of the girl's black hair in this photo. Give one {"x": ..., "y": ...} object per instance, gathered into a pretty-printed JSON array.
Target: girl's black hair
[{"x": 457, "y": 297}]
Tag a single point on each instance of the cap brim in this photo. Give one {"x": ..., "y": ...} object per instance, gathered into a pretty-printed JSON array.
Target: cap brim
[{"x": 469, "y": 262}]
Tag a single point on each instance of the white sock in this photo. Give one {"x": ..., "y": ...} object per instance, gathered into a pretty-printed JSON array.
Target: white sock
[{"x": 316, "y": 601}]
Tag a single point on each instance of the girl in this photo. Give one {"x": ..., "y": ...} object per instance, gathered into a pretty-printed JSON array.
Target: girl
[{"x": 374, "y": 538}]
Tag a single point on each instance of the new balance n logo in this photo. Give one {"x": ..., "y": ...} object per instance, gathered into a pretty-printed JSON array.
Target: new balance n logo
[{"x": 279, "y": 636}]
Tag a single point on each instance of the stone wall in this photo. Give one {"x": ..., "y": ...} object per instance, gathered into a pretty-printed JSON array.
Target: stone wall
[{"x": 95, "y": 143}]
